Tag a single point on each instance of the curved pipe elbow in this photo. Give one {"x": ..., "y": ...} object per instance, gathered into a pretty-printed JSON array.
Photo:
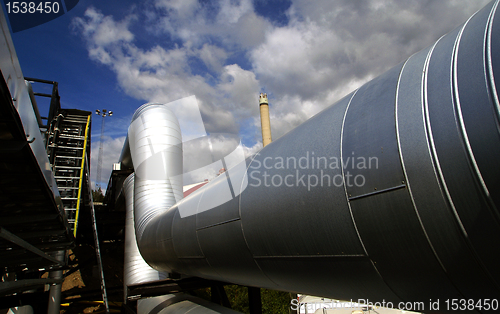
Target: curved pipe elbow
[{"x": 155, "y": 146}]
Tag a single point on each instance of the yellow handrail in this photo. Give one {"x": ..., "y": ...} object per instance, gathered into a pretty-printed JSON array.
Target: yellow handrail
[{"x": 81, "y": 176}]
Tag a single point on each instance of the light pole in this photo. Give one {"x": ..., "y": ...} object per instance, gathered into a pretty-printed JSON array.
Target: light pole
[{"x": 104, "y": 113}]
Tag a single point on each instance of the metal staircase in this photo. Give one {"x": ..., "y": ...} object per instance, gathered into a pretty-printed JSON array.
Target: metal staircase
[
  {"x": 69, "y": 153},
  {"x": 67, "y": 147},
  {"x": 66, "y": 137}
]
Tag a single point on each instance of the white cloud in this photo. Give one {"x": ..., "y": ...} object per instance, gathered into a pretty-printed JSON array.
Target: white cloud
[
  {"x": 304, "y": 59},
  {"x": 331, "y": 47},
  {"x": 248, "y": 31},
  {"x": 183, "y": 8},
  {"x": 111, "y": 150},
  {"x": 231, "y": 11},
  {"x": 241, "y": 89},
  {"x": 213, "y": 57},
  {"x": 326, "y": 49},
  {"x": 231, "y": 22},
  {"x": 157, "y": 74},
  {"x": 104, "y": 30}
]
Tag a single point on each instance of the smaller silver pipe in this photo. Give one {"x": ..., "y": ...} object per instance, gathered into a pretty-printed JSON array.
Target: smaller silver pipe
[
  {"x": 180, "y": 303},
  {"x": 55, "y": 289},
  {"x": 135, "y": 269}
]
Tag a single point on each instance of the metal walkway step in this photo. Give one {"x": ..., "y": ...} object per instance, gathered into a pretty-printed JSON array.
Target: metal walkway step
[
  {"x": 68, "y": 147},
  {"x": 69, "y": 136},
  {"x": 69, "y": 157}
]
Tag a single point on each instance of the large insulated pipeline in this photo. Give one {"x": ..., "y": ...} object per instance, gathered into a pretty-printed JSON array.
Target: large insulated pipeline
[{"x": 389, "y": 195}]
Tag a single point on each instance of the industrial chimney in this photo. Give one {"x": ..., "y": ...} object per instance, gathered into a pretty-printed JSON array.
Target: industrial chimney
[{"x": 264, "y": 119}]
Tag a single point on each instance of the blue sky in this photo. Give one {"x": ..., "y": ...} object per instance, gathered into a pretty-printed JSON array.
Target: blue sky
[{"x": 119, "y": 54}]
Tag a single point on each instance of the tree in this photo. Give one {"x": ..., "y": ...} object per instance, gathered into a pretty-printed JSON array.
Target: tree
[
  {"x": 273, "y": 302},
  {"x": 97, "y": 195}
]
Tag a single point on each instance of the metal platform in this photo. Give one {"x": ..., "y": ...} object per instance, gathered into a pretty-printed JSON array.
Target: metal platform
[
  {"x": 44, "y": 180},
  {"x": 32, "y": 220}
]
